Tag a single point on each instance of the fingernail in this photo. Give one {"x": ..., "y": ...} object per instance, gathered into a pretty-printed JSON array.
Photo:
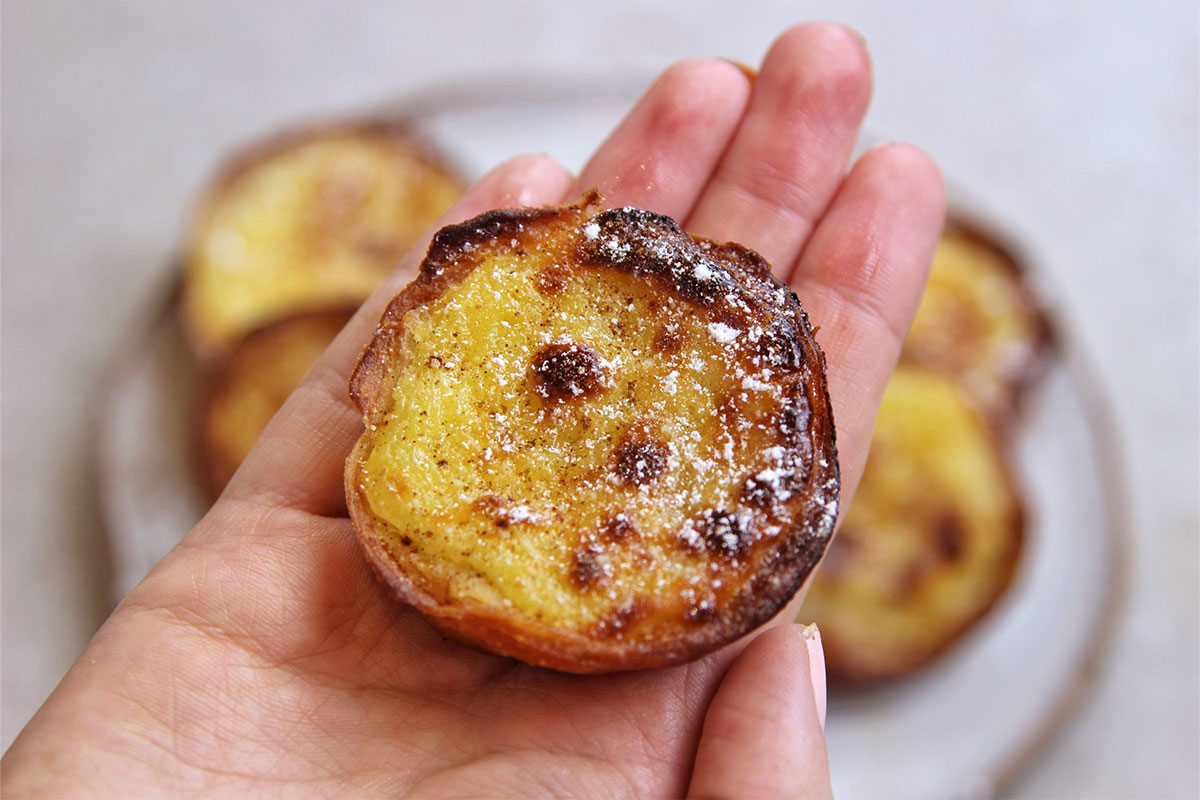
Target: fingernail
[
  {"x": 750, "y": 72},
  {"x": 816, "y": 668}
]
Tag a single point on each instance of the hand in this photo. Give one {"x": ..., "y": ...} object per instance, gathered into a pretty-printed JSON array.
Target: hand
[{"x": 261, "y": 655}]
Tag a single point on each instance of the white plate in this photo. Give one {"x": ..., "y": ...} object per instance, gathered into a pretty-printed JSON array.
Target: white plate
[{"x": 959, "y": 729}]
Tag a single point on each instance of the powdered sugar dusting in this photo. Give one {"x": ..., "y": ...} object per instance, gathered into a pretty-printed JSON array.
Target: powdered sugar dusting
[{"x": 725, "y": 334}]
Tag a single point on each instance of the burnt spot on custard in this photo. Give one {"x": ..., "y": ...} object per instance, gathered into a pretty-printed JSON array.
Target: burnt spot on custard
[
  {"x": 567, "y": 371},
  {"x": 589, "y": 567},
  {"x": 905, "y": 586},
  {"x": 725, "y": 533},
  {"x": 640, "y": 458},
  {"x": 491, "y": 507},
  {"x": 701, "y": 610},
  {"x": 502, "y": 513},
  {"x": 618, "y": 529},
  {"x": 645, "y": 243},
  {"x": 770, "y": 487},
  {"x": 949, "y": 539},
  {"x": 622, "y": 616},
  {"x": 551, "y": 280},
  {"x": 717, "y": 531}
]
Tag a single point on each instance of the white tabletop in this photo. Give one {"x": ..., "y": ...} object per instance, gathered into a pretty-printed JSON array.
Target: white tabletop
[{"x": 1073, "y": 125}]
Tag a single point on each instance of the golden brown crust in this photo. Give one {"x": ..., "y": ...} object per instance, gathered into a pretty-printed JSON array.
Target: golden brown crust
[
  {"x": 758, "y": 326},
  {"x": 286, "y": 227},
  {"x": 245, "y": 392}
]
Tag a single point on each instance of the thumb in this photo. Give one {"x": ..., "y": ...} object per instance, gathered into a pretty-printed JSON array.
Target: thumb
[{"x": 763, "y": 733}]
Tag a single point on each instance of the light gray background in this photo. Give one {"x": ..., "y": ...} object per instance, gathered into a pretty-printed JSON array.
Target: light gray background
[{"x": 1074, "y": 124}]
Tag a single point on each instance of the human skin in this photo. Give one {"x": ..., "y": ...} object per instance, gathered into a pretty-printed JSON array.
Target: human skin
[{"x": 261, "y": 656}]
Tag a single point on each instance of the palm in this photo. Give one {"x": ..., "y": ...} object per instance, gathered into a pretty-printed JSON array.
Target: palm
[
  {"x": 261, "y": 653},
  {"x": 376, "y": 698}
]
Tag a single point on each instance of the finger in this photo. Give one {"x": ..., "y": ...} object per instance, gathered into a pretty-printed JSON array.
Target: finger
[
  {"x": 663, "y": 152},
  {"x": 299, "y": 458},
  {"x": 860, "y": 279},
  {"x": 790, "y": 153},
  {"x": 762, "y": 733}
]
